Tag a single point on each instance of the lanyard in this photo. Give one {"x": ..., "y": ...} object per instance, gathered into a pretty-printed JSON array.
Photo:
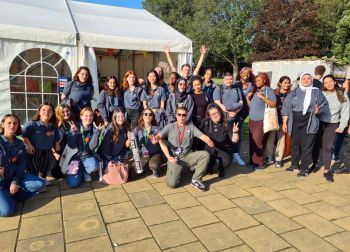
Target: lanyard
[
  {"x": 145, "y": 135},
  {"x": 84, "y": 139},
  {"x": 181, "y": 135}
]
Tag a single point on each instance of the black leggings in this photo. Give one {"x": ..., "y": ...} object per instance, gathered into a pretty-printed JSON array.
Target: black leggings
[
  {"x": 325, "y": 140},
  {"x": 224, "y": 157},
  {"x": 302, "y": 142}
]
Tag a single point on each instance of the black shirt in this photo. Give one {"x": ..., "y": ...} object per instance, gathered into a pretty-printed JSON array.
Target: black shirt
[
  {"x": 218, "y": 133},
  {"x": 200, "y": 106},
  {"x": 316, "y": 83}
]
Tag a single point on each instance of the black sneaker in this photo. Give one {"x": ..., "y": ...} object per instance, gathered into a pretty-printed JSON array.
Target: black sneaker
[
  {"x": 342, "y": 170},
  {"x": 302, "y": 174},
  {"x": 292, "y": 168},
  {"x": 278, "y": 164},
  {"x": 313, "y": 168},
  {"x": 329, "y": 176},
  {"x": 269, "y": 161},
  {"x": 198, "y": 184}
]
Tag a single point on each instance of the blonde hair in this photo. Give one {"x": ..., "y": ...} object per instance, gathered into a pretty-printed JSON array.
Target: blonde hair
[{"x": 59, "y": 114}]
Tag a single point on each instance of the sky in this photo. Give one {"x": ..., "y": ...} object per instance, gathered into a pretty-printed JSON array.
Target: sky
[{"x": 123, "y": 3}]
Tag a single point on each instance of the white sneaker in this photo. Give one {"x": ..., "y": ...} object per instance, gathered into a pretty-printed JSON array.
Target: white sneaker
[
  {"x": 237, "y": 159},
  {"x": 87, "y": 177}
]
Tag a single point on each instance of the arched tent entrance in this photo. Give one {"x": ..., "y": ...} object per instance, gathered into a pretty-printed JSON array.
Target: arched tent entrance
[{"x": 33, "y": 77}]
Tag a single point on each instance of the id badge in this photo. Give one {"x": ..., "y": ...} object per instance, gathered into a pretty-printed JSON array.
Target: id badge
[{"x": 178, "y": 151}]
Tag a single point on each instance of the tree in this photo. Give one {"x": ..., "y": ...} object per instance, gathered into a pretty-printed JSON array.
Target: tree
[
  {"x": 341, "y": 46},
  {"x": 329, "y": 13},
  {"x": 225, "y": 25},
  {"x": 286, "y": 30},
  {"x": 222, "y": 25}
]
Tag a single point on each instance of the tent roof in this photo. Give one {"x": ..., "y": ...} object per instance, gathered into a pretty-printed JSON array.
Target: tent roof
[
  {"x": 97, "y": 25},
  {"x": 124, "y": 28},
  {"x": 37, "y": 20}
]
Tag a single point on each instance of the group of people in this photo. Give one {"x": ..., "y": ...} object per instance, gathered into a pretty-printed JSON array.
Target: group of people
[{"x": 189, "y": 122}]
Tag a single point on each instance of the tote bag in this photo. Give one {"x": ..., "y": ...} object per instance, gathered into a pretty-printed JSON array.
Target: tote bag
[
  {"x": 67, "y": 155},
  {"x": 270, "y": 118},
  {"x": 116, "y": 173}
]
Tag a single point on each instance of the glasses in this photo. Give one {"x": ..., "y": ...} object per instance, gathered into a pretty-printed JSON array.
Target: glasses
[
  {"x": 182, "y": 115},
  {"x": 147, "y": 114}
]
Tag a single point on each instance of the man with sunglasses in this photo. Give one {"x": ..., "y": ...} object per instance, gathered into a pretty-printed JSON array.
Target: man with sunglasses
[{"x": 178, "y": 150}]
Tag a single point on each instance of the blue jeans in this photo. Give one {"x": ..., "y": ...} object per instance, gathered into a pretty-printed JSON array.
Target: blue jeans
[
  {"x": 339, "y": 139},
  {"x": 88, "y": 165},
  {"x": 29, "y": 186}
]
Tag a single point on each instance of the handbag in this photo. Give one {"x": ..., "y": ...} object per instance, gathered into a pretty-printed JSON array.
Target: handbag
[
  {"x": 116, "y": 173},
  {"x": 270, "y": 119},
  {"x": 73, "y": 167},
  {"x": 66, "y": 156}
]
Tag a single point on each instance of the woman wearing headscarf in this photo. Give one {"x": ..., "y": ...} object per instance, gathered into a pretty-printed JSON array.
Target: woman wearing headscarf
[
  {"x": 300, "y": 112},
  {"x": 180, "y": 98}
]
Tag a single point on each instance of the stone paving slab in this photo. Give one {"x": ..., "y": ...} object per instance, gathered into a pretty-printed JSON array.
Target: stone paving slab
[
  {"x": 197, "y": 216},
  {"x": 84, "y": 228},
  {"x": 277, "y": 222},
  {"x": 305, "y": 240},
  {"x": 246, "y": 211},
  {"x": 97, "y": 244},
  {"x": 8, "y": 241},
  {"x": 49, "y": 224},
  {"x": 172, "y": 234},
  {"x": 261, "y": 238},
  {"x": 128, "y": 231},
  {"x": 53, "y": 243},
  {"x": 216, "y": 202},
  {"x": 158, "y": 214},
  {"x": 224, "y": 237}
]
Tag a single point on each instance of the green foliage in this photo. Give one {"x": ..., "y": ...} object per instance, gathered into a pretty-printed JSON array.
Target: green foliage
[
  {"x": 222, "y": 25},
  {"x": 341, "y": 46}
]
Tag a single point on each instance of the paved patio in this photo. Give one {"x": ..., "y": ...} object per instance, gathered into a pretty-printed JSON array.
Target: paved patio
[{"x": 269, "y": 210}]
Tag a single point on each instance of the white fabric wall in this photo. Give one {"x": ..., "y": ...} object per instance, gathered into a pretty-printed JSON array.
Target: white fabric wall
[
  {"x": 290, "y": 68},
  {"x": 9, "y": 49},
  {"x": 183, "y": 58}
]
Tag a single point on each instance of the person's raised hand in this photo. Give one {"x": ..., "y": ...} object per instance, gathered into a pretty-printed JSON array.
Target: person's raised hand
[
  {"x": 317, "y": 109},
  {"x": 203, "y": 49},
  {"x": 235, "y": 128},
  {"x": 166, "y": 49},
  {"x": 73, "y": 127}
]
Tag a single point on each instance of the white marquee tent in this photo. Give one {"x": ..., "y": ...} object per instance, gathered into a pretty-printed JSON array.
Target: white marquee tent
[{"x": 41, "y": 40}]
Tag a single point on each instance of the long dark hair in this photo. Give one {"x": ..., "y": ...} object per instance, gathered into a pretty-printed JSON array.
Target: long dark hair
[
  {"x": 19, "y": 129},
  {"x": 53, "y": 119},
  {"x": 161, "y": 76},
  {"x": 148, "y": 83},
  {"x": 76, "y": 78},
  {"x": 116, "y": 127},
  {"x": 141, "y": 124},
  {"x": 282, "y": 79},
  {"x": 215, "y": 106},
  {"x": 111, "y": 92},
  {"x": 338, "y": 90}
]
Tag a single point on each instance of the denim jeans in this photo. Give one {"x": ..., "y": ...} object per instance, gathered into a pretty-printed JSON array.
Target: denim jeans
[
  {"x": 88, "y": 165},
  {"x": 339, "y": 139},
  {"x": 29, "y": 186}
]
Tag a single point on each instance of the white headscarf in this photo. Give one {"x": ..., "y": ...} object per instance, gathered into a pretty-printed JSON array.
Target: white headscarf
[{"x": 308, "y": 92}]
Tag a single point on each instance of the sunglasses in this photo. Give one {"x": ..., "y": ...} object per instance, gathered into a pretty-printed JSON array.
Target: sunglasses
[
  {"x": 147, "y": 114},
  {"x": 182, "y": 115}
]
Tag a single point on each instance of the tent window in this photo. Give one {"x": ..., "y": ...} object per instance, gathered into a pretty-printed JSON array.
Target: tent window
[{"x": 33, "y": 80}]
